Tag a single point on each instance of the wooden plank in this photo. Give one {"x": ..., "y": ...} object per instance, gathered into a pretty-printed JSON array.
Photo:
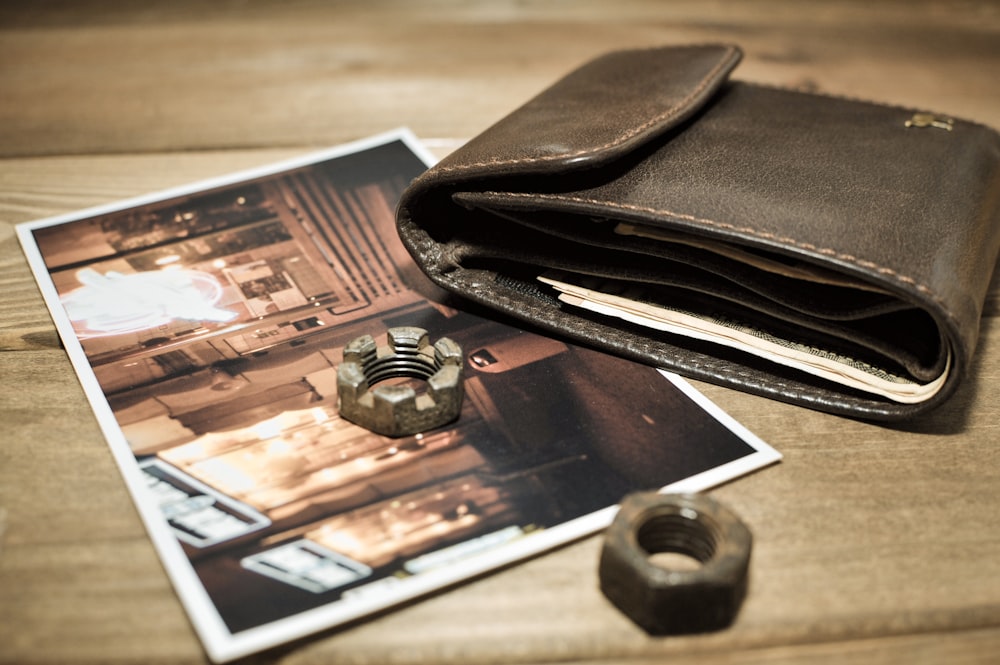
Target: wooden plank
[{"x": 100, "y": 77}]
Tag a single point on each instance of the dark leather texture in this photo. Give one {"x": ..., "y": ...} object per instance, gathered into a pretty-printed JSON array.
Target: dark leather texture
[{"x": 665, "y": 139}]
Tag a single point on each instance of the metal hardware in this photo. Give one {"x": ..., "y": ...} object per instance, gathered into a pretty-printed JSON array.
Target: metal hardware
[
  {"x": 674, "y": 600},
  {"x": 930, "y": 120},
  {"x": 397, "y": 409}
]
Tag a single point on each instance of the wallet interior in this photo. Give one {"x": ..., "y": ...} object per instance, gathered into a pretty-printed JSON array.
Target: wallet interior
[{"x": 781, "y": 308}]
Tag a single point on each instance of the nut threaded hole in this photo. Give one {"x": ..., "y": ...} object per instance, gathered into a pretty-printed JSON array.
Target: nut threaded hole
[
  {"x": 412, "y": 366},
  {"x": 677, "y": 542}
]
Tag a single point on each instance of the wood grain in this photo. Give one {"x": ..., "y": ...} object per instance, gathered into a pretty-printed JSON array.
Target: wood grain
[
  {"x": 873, "y": 543},
  {"x": 83, "y": 79}
]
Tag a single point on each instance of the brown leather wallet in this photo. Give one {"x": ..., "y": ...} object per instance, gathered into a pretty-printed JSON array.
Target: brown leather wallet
[{"x": 824, "y": 251}]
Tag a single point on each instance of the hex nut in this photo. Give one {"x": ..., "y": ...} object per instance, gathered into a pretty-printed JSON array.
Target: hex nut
[
  {"x": 397, "y": 410},
  {"x": 665, "y": 601}
]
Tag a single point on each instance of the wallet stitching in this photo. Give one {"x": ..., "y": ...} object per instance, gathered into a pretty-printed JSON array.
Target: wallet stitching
[
  {"x": 706, "y": 80},
  {"x": 785, "y": 240}
]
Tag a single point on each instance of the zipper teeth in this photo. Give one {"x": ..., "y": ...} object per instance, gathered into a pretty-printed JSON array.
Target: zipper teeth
[{"x": 525, "y": 288}]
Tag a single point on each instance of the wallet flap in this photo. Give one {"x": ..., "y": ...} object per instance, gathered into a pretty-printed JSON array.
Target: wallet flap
[{"x": 601, "y": 111}]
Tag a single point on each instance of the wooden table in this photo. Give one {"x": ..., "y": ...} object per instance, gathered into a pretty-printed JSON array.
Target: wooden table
[{"x": 872, "y": 542}]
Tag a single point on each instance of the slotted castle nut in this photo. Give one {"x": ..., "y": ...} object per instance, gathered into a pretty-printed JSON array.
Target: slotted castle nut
[
  {"x": 398, "y": 409},
  {"x": 672, "y": 600}
]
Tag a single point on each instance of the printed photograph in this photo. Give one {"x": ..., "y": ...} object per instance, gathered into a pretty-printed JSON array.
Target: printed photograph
[{"x": 214, "y": 321}]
